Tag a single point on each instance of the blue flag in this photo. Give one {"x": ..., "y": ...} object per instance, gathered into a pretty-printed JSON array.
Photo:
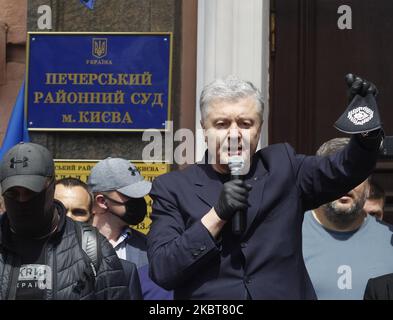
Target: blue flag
[
  {"x": 16, "y": 130},
  {"x": 89, "y": 3}
]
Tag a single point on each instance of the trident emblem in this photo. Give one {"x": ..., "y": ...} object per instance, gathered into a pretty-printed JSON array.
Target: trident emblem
[{"x": 99, "y": 47}]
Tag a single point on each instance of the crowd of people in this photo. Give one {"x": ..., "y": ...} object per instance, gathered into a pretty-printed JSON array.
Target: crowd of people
[{"x": 313, "y": 224}]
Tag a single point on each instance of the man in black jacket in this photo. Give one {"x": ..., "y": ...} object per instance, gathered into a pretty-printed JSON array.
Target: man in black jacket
[
  {"x": 196, "y": 245},
  {"x": 40, "y": 253},
  {"x": 78, "y": 201}
]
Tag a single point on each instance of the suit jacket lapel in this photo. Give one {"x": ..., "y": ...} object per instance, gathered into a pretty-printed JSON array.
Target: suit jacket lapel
[
  {"x": 257, "y": 180},
  {"x": 208, "y": 186}
]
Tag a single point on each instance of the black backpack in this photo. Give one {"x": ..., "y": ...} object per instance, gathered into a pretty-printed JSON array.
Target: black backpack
[{"x": 89, "y": 241}]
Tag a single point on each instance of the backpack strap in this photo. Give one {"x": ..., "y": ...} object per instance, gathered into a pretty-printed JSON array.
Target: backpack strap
[{"x": 88, "y": 239}]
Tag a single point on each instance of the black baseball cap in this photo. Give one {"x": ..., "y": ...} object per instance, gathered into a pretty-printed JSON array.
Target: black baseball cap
[{"x": 26, "y": 165}]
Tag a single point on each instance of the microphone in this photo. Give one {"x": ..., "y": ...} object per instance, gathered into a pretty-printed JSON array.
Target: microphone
[{"x": 236, "y": 165}]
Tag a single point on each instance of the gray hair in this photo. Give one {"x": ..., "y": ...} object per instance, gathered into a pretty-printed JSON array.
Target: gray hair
[
  {"x": 230, "y": 89},
  {"x": 332, "y": 146}
]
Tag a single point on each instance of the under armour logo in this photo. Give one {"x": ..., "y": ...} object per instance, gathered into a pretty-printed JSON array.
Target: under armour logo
[
  {"x": 14, "y": 162},
  {"x": 133, "y": 171}
]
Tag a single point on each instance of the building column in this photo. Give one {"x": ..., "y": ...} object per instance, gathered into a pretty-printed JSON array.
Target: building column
[{"x": 233, "y": 39}]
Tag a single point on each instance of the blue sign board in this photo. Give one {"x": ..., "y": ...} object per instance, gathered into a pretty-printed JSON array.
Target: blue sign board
[{"x": 98, "y": 81}]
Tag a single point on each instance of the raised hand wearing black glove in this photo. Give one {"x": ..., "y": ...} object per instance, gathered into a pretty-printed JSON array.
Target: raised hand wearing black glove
[
  {"x": 357, "y": 85},
  {"x": 361, "y": 118},
  {"x": 233, "y": 198},
  {"x": 362, "y": 115}
]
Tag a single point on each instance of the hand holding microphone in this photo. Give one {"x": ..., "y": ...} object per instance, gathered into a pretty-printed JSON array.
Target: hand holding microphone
[{"x": 233, "y": 200}]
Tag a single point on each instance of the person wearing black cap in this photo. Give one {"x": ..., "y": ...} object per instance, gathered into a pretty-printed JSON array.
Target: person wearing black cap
[
  {"x": 196, "y": 246},
  {"x": 40, "y": 253}
]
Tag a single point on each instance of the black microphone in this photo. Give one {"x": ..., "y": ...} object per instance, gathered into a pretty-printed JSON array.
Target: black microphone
[{"x": 236, "y": 165}]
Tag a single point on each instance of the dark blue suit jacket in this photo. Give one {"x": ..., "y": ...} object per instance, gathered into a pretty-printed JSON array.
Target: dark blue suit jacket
[{"x": 267, "y": 261}]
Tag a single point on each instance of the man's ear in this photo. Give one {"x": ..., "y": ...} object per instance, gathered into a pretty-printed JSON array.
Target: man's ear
[
  {"x": 368, "y": 189},
  {"x": 261, "y": 124},
  {"x": 204, "y": 130},
  {"x": 100, "y": 201}
]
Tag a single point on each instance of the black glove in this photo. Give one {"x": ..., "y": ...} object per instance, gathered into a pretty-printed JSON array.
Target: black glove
[
  {"x": 361, "y": 115},
  {"x": 357, "y": 85},
  {"x": 233, "y": 198}
]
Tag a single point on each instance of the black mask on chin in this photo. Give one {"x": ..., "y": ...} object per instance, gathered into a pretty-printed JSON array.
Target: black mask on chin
[
  {"x": 136, "y": 210},
  {"x": 32, "y": 218}
]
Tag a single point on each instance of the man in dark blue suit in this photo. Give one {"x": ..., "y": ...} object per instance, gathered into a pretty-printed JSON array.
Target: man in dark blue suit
[{"x": 191, "y": 246}]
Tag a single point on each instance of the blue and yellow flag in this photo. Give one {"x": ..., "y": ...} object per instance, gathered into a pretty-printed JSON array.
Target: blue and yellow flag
[
  {"x": 17, "y": 129},
  {"x": 89, "y": 3}
]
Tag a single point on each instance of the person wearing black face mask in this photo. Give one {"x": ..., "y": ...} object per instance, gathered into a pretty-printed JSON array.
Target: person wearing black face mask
[
  {"x": 40, "y": 253},
  {"x": 119, "y": 191},
  {"x": 135, "y": 210},
  {"x": 31, "y": 214},
  {"x": 78, "y": 201}
]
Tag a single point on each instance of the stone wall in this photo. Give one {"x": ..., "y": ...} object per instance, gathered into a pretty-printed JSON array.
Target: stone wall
[{"x": 12, "y": 56}]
